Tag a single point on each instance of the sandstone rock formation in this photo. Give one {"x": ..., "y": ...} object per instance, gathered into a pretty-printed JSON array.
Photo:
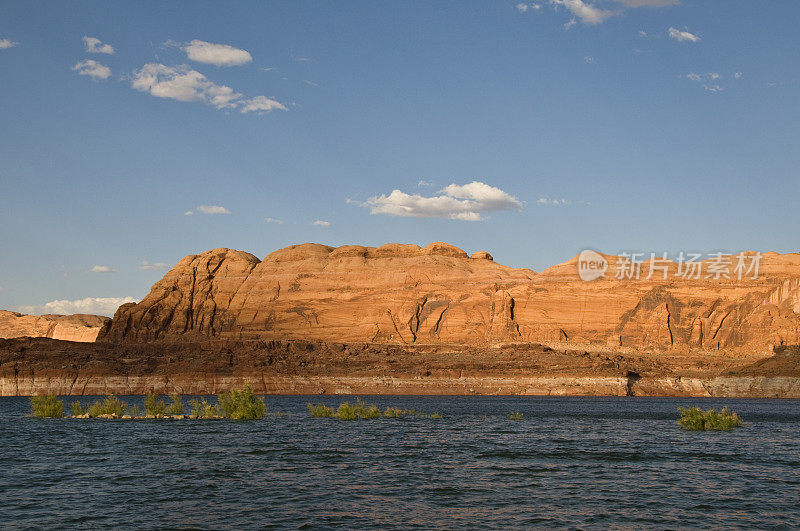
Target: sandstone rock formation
[
  {"x": 411, "y": 295},
  {"x": 78, "y": 327}
]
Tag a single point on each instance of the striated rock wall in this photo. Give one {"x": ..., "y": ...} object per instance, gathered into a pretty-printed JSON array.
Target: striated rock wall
[
  {"x": 78, "y": 327},
  {"x": 411, "y": 295}
]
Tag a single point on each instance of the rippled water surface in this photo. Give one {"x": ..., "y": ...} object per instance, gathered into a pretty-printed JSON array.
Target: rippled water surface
[{"x": 578, "y": 462}]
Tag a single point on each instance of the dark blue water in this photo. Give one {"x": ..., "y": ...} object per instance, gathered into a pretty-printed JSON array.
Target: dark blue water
[{"x": 576, "y": 462}]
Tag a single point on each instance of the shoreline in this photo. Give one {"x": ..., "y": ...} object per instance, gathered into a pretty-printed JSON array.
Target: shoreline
[{"x": 262, "y": 384}]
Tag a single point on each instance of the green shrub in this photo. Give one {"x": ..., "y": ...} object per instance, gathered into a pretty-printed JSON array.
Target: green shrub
[
  {"x": 176, "y": 407},
  {"x": 320, "y": 411},
  {"x": 135, "y": 412},
  {"x": 358, "y": 411},
  {"x": 77, "y": 409},
  {"x": 394, "y": 412},
  {"x": 695, "y": 419},
  {"x": 109, "y": 406},
  {"x": 47, "y": 407},
  {"x": 435, "y": 415},
  {"x": 242, "y": 405},
  {"x": 204, "y": 410},
  {"x": 514, "y": 415},
  {"x": 154, "y": 406}
]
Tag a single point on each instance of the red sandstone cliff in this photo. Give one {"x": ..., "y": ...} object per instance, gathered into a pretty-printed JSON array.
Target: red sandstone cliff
[
  {"x": 78, "y": 327},
  {"x": 405, "y": 294}
]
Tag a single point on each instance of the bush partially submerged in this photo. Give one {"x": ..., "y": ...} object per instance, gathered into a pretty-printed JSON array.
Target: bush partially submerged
[
  {"x": 109, "y": 406},
  {"x": 47, "y": 407},
  {"x": 77, "y": 409},
  {"x": 320, "y": 411},
  {"x": 515, "y": 415},
  {"x": 695, "y": 419},
  {"x": 242, "y": 405},
  {"x": 361, "y": 411},
  {"x": 203, "y": 410},
  {"x": 154, "y": 406},
  {"x": 176, "y": 407}
]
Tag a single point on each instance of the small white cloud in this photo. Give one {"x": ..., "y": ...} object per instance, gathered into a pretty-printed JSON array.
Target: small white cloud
[
  {"x": 461, "y": 202},
  {"x": 189, "y": 213},
  {"x": 555, "y": 202},
  {"x": 144, "y": 265},
  {"x": 425, "y": 183},
  {"x": 572, "y": 22},
  {"x": 588, "y": 59},
  {"x": 320, "y": 223},
  {"x": 274, "y": 220},
  {"x": 91, "y": 305},
  {"x": 261, "y": 104},
  {"x": 212, "y": 209},
  {"x": 6, "y": 43},
  {"x": 738, "y": 75},
  {"x": 522, "y": 8},
  {"x": 706, "y": 80},
  {"x": 642, "y": 33},
  {"x": 299, "y": 59},
  {"x": 217, "y": 54},
  {"x": 268, "y": 69},
  {"x": 95, "y": 45},
  {"x": 682, "y": 36},
  {"x": 183, "y": 84},
  {"x": 307, "y": 82},
  {"x": 587, "y": 13},
  {"x": 93, "y": 69},
  {"x": 102, "y": 269}
]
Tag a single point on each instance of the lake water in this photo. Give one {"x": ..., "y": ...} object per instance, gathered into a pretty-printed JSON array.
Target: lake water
[{"x": 577, "y": 462}]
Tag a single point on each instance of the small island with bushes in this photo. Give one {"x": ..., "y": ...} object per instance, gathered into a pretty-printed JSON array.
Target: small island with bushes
[{"x": 235, "y": 405}]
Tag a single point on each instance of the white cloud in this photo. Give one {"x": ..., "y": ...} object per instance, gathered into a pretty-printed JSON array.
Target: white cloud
[
  {"x": 95, "y": 45},
  {"x": 212, "y": 209},
  {"x": 555, "y": 202},
  {"x": 642, "y": 33},
  {"x": 6, "y": 43},
  {"x": 217, "y": 54},
  {"x": 276, "y": 221},
  {"x": 705, "y": 80},
  {"x": 461, "y": 202},
  {"x": 425, "y": 183},
  {"x": 144, "y": 265},
  {"x": 92, "y": 305},
  {"x": 102, "y": 269},
  {"x": 572, "y": 22},
  {"x": 261, "y": 104},
  {"x": 93, "y": 69},
  {"x": 522, "y": 8},
  {"x": 588, "y": 59},
  {"x": 320, "y": 223},
  {"x": 738, "y": 75},
  {"x": 183, "y": 84},
  {"x": 587, "y": 13},
  {"x": 682, "y": 36},
  {"x": 189, "y": 213}
]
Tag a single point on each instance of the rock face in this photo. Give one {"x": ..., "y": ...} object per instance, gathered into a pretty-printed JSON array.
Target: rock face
[
  {"x": 406, "y": 294},
  {"x": 78, "y": 327}
]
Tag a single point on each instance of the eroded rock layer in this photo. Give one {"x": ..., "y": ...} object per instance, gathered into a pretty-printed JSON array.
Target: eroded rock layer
[
  {"x": 78, "y": 327},
  {"x": 411, "y": 295}
]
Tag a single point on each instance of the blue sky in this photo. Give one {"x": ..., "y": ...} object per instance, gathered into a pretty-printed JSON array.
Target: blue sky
[{"x": 586, "y": 124}]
